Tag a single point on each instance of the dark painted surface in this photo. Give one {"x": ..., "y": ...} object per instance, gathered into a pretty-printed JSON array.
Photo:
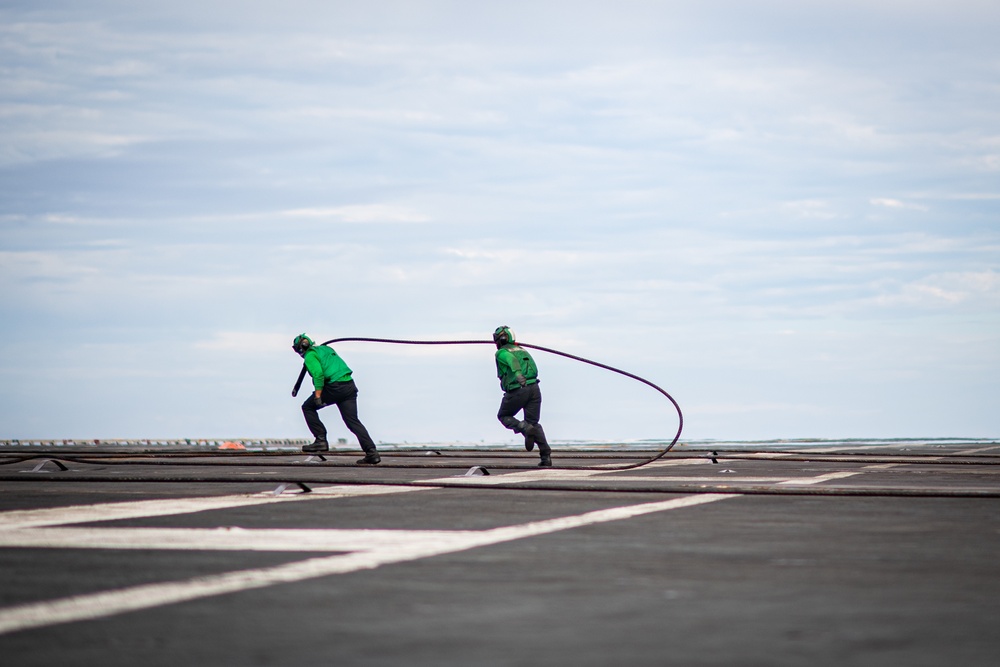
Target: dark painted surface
[{"x": 752, "y": 580}]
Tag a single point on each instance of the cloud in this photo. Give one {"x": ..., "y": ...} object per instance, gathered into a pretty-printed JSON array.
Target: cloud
[
  {"x": 979, "y": 288},
  {"x": 359, "y": 213},
  {"x": 674, "y": 186},
  {"x": 810, "y": 208},
  {"x": 896, "y": 203},
  {"x": 721, "y": 409},
  {"x": 35, "y": 266},
  {"x": 246, "y": 342}
]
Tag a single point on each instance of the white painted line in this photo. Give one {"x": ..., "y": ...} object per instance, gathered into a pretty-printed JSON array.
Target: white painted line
[
  {"x": 700, "y": 480},
  {"x": 601, "y": 516},
  {"x": 646, "y": 479},
  {"x": 678, "y": 462},
  {"x": 820, "y": 479},
  {"x": 56, "y": 516},
  {"x": 350, "y": 491},
  {"x": 218, "y": 539},
  {"x": 569, "y": 475},
  {"x": 978, "y": 473},
  {"x": 281, "y": 539},
  {"x": 803, "y": 451},
  {"x": 976, "y": 451},
  {"x": 515, "y": 477},
  {"x": 109, "y": 603},
  {"x": 548, "y": 474}
]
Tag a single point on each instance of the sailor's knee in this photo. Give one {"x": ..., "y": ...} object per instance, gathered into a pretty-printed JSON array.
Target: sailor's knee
[{"x": 509, "y": 422}]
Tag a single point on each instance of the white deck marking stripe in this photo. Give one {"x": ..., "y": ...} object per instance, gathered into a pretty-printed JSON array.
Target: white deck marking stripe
[
  {"x": 975, "y": 451},
  {"x": 719, "y": 479},
  {"x": 109, "y": 603},
  {"x": 513, "y": 477},
  {"x": 538, "y": 474},
  {"x": 678, "y": 462},
  {"x": 617, "y": 467},
  {"x": 564, "y": 475},
  {"x": 56, "y": 516},
  {"x": 821, "y": 478},
  {"x": 217, "y": 539},
  {"x": 845, "y": 448},
  {"x": 18, "y": 519}
]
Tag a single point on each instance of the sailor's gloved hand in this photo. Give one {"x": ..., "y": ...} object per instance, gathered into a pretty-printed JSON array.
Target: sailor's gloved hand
[{"x": 520, "y": 379}]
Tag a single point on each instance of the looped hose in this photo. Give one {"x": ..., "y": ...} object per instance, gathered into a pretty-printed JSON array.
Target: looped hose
[{"x": 394, "y": 341}]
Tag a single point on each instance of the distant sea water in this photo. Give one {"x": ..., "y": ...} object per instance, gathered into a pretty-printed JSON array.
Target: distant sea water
[
  {"x": 651, "y": 444},
  {"x": 813, "y": 444}
]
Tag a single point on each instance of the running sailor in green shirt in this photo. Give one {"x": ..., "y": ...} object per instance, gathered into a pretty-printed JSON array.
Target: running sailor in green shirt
[
  {"x": 519, "y": 380},
  {"x": 332, "y": 385}
]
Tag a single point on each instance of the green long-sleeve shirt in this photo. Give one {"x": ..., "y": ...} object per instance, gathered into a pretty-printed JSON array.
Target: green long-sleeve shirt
[
  {"x": 511, "y": 360},
  {"x": 325, "y": 366}
]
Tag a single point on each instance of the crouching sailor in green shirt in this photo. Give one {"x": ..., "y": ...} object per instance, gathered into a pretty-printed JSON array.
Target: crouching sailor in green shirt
[
  {"x": 333, "y": 386},
  {"x": 519, "y": 381}
]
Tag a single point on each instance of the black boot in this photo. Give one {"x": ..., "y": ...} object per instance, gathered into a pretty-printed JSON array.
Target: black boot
[
  {"x": 529, "y": 434},
  {"x": 545, "y": 462},
  {"x": 371, "y": 458},
  {"x": 319, "y": 445}
]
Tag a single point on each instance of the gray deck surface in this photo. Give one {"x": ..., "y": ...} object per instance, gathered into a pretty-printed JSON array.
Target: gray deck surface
[{"x": 866, "y": 556}]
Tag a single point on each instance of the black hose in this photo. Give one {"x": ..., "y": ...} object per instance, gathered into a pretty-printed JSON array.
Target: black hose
[{"x": 396, "y": 341}]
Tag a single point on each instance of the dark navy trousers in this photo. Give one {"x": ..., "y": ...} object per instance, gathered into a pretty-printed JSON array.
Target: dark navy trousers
[{"x": 345, "y": 396}]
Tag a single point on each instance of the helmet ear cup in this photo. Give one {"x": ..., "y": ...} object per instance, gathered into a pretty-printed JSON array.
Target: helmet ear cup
[
  {"x": 301, "y": 343},
  {"x": 503, "y": 335}
]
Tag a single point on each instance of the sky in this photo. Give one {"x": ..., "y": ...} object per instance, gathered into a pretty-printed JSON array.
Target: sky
[{"x": 785, "y": 214}]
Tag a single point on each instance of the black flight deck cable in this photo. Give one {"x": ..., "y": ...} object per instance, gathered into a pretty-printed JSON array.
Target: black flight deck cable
[{"x": 395, "y": 341}]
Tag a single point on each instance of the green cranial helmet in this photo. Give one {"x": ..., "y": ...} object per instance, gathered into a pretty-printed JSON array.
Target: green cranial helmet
[
  {"x": 503, "y": 336},
  {"x": 302, "y": 343}
]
